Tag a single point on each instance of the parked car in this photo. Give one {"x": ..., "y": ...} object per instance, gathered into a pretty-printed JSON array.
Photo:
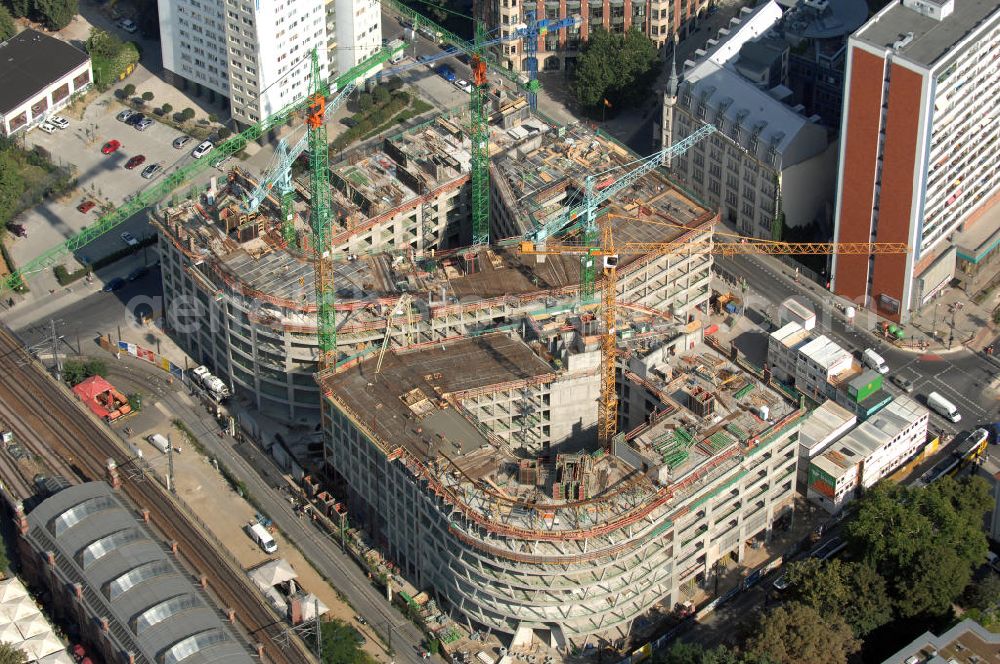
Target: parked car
[
  {"x": 129, "y": 239},
  {"x": 17, "y": 229},
  {"x": 128, "y": 26},
  {"x": 463, "y": 85},
  {"x": 151, "y": 171},
  {"x": 135, "y": 161},
  {"x": 125, "y": 115},
  {"x": 903, "y": 383},
  {"x": 86, "y": 206},
  {"x": 203, "y": 149},
  {"x": 361, "y": 620},
  {"x": 111, "y": 146},
  {"x": 47, "y": 128},
  {"x": 181, "y": 141},
  {"x": 143, "y": 125},
  {"x": 138, "y": 273},
  {"x": 447, "y": 73},
  {"x": 350, "y": 122},
  {"x": 115, "y": 284},
  {"x": 59, "y": 121},
  {"x": 135, "y": 119}
]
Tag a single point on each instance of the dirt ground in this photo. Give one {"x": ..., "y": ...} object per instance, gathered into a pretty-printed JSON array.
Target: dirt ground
[{"x": 209, "y": 496}]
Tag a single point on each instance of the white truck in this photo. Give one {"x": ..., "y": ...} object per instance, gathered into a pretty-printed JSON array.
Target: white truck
[
  {"x": 873, "y": 360},
  {"x": 943, "y": 407},
  {"x": 159, "y": 441},
  {"x": 259, "y": 534},
  {"x": 211, "y": 383}
]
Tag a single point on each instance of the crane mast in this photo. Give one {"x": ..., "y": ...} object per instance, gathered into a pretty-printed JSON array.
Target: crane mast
[{"x": 320, "y": 217}]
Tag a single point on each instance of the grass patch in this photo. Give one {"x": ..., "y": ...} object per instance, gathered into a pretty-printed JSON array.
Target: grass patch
[{"x": 401, "y": 106}]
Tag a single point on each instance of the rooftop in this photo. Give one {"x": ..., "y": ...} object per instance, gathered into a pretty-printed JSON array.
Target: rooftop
[
  {"x": 154, "y": 609},
  {"x": 714, "y": 75},
  {"x": 230, "y": 247},
  {"x": 541, "y": 179},
  {"x": 713, "y": 408},
  {"x": 416, "y": 386},
  {"x": 31, "y": 62},
  {"x": 825, "y": 352},
  {"x": 823, "y": 422},
  {"x": 413, "y": 409},
  {"x": 836, "y": 19},
  {"x": 961, "y": 643},
  {"x": 932, "y": 39},
  {"x": 791, "y": 335},
  {"x": 872, "y": 435},
  {"x": 976, "y": 242}
]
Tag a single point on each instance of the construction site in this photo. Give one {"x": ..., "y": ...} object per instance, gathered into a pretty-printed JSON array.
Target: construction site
[
  {"x": 242, "y": 299},
  {"x": 530, "y": 532}
]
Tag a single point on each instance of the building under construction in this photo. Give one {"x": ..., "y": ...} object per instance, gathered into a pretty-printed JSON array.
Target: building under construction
[
  {"x": 523, "y": 531},
  {"x": 242, "y": 300}
]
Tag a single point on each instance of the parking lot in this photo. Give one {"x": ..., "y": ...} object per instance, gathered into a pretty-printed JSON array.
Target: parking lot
[{"x": 102, "y": 178}]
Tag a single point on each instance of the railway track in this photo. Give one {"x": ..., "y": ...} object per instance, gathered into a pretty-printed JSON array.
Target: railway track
[{"x": 43, "y": 413}]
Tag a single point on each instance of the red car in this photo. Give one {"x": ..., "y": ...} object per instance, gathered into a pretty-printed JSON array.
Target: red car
[
  {"x": 111, "y": 146},
  {"x": 86, "y": 206},
  {"x": 135, "y": 161}
]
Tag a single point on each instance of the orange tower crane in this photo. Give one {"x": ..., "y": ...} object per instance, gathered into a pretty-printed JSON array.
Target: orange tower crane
[{"x": 607, "y": 413}]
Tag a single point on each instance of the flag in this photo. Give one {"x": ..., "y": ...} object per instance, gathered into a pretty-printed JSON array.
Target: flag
[{"x": 607, "y": 103}]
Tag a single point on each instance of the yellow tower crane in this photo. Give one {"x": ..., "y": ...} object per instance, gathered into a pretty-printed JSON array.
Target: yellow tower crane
[{"x": 608, "y": 252}]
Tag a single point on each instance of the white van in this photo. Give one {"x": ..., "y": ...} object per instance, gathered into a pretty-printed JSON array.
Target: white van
[
  {"x": 943, "y": 407},
  {"x": 159, "y": 442},
  {"x": 259, "y": 534},
  {"x": 873, "y": 360}
]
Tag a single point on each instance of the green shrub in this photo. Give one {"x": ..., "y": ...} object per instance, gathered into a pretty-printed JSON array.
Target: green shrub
[{"x": 147, "y": 96}]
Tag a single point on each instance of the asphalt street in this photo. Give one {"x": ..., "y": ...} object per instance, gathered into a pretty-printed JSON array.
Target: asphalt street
[{"x": 961, "y": 376}]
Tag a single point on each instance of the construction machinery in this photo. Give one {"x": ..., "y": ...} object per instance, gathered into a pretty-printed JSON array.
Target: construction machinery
[
  {"x": 171, "y": 181},
  {"x": 608, "y": 253}
]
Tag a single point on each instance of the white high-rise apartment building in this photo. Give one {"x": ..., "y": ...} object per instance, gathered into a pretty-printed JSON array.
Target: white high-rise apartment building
[
  {"x": 359, "y": 32},
  {"x": 256, "y": 53}
]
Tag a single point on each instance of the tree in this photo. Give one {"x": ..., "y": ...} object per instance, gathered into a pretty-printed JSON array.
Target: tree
[
  {"x": 111, "y": 58},
  {"x": 798, "y": 634},
  {"x": 395, "y": 83},
  {"x": 619, "y": 68},
  {"x": 984, "y": 594},
  {"x": 7, "y": 26},
  {"x": 187, "y": 114},
  {"x": 224, "y": 133},
  {"x": 56, "y": 14},
  {"x": 853, "y": 591},
  {"x": 166, "y": 108},
  {"x": 923, "y": 541},
  {"x": 694, "y": 653},
  {"x": 129, "y": 89},
  {"x": 212, "y": 117},
  {"x": 381, "y": 95},
  {"x": 147, "y": 96},
  {"x": 11, "y": 654},
  {"x": 20, "y": 8},
  {"x": 364, "y": 102}
]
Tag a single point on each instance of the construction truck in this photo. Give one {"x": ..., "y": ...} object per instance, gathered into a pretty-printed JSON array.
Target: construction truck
[{"x": 210, "y": 383}]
